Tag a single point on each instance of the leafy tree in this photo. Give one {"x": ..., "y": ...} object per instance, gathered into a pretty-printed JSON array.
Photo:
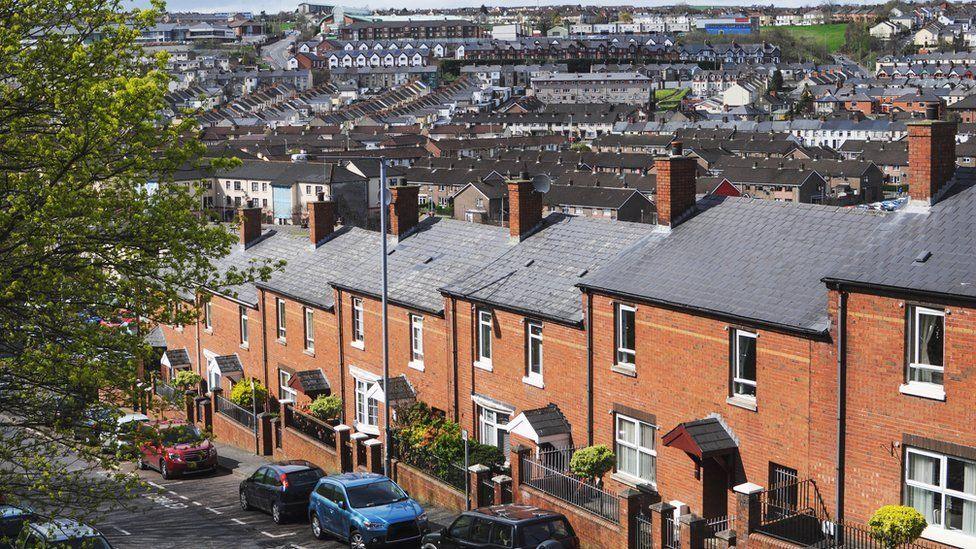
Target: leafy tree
[
  {"x": 592, "y": 462},
  {"x": 895, "y": 525},
  {"x": 580, "y": 147},
  {"x": 89, "y": 255},
  {"x": 244, "y": 395},
  {"x": 776, "y": 81},
  {"x": 626, "y": 17},
  {"x": 187, "y": 379}
]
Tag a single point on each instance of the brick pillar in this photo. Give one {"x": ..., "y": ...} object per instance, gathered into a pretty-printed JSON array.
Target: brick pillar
[
  {"x": 477, "y": 474},
  {"x": 516, "y": 461},
  {"x": 501, "y": 482},
  {"x": 630, "y": 509},
  {"x": 660, "y": 512},
  {"x": 206, "y": 415},
  {"x": 190, "y": 406},
  {"x": 357, "y": 441},
  {"x": 374, "y": 455},
  {"x": 342, "y": 441},
  {"x": 747, "y": 512},
  {"x": 726, "y": 539},
  {"x": 265, "y": 435},
  {"x": 692, "y": 531}
]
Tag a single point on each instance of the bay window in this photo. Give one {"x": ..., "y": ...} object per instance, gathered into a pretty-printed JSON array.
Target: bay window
[
  {"x": 367, "y": 409},
  {"x": 491, "y": 427},
  {"x": 284, "y": 391}
]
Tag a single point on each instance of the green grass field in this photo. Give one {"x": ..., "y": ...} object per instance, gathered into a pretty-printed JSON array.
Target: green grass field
[
  {"x": 669, "y": 99},
  {"x": 833, "y": 33}
]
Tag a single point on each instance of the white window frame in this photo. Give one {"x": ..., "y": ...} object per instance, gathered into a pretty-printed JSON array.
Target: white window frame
[
  {"x": 638, "y": 445},
  {"x": 485, "y": 319},
  {"x": 622, "y": 353},
  {"x": 533, "y": 336},
  {"x": 939, "y": 532},
  {"x": 417, "y": 341},
  {"x": 208, "y": 316},
  {"x": 358, "y": 326},
  {"x": 489, "y": 428},
  {"x": 367, "y": 409},
  {"x": 284, "y": 391},
  {"x": 737, "y": 368},
  {"x": 242, "y": 312},
  {"x": 914, "y": 363},
  {"x": 281, "y": 318},
  {"x": 309, "y": 315}
]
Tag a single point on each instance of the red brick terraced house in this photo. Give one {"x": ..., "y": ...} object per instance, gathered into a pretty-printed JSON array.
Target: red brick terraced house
[{"x": 739, "y": 356}]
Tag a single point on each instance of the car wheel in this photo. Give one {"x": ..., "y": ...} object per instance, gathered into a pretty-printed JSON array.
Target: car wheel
[
  {"x": 317, "y": 529},
  {"x": 429, "y": 546},
  {"x": 245, "y": 506},
  {"x": 276, "y": 515},
  {"x": 140, "y": 464},
  {"x": 356, "y": 540},
  {"x": 164, "y": 470}
]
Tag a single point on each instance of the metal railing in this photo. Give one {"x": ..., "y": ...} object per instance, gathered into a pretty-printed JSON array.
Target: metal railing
[
  {"x": 570, "y": 489},
  {"x": 167, "y": 392},
  {"x": 794, "y": 512},
  {"x": 672, "y": 533},
  {"x": 310, "y": 426},
  {"x": 241, "y": 415},
  {"x": 557, "y": 458},
  {"x": 715, "y": 525},
  {"x": 453, "y": 474},
  {"x": 486, "y": 492},
  {"x": 645, "y": 535},
  {"x": 855, "y": 536}
]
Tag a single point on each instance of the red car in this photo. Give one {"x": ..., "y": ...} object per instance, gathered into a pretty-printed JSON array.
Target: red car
[{"x": 176, "y": 448}]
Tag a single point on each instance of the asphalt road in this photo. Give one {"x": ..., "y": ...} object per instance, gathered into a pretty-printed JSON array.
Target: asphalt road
[
  {"x": 203, "y": 511},
  {"x": 276, "y": 53}
]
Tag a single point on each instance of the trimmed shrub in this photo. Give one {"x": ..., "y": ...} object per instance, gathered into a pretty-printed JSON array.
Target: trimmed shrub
[
  {"x": 185, "y": 379},
  {"x": 326, "y": 407},
  {"x": 592, "y": 462},
  {"x": 893, "y": 525},
  {"x": 240, "y": 394}
]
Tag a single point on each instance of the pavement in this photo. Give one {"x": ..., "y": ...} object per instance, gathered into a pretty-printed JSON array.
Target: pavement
[{"x": 203, "y": 511}]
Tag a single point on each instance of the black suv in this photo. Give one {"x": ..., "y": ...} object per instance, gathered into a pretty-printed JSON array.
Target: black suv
[{"x": 505, "y": 527}]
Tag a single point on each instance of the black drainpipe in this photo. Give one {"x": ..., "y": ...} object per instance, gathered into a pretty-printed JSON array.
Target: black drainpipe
[
  {"x": 588, "y": 326},
  {"x": 841, "y": 401}
]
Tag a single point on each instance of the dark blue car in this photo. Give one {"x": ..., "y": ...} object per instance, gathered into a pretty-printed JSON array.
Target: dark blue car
[
  {"x": 365, "y": 509},
  {"x": 281, "y": 488}
]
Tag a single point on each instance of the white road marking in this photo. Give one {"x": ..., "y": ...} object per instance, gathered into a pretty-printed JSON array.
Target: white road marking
[
  {"x": 121, "y": 531},
  {"x": 238, "y": 521},
  {"x": 184, "y": 498},
  {"x": 172, "y": 492},
  {"x": 197, "y": 503},
  {"x": 274, "y": 536},
  {"x": 212, "y": 510},
  {"x": 154, "y": 485}
]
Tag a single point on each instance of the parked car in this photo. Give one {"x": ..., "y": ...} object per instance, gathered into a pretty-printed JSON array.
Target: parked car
[
  {"x": 505, "y": 527},
  {"x": 283, "y": 489},
  {"x": 126, "y": 427},
  {"x": 12, "y": 520},
  {"x": 64, "y": 533},
  {"x": 365, "y": 509},
  {"x": 176, "y": 448}
]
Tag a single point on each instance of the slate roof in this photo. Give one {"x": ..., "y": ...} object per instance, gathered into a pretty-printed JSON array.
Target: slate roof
[
  {"x": 709, "y": 435},
  {"x": 156, "y": 337},
  {"x": 310, "y": 381},
  {"x": 758, "y": 260},
  {"x": 538, "y": 276},
  {"x": 228, "y": 364},
  {"x": 400, "y": 389},
  {"x": 436, "y": 252},
  {"x": 946, "y": 231},
  {"x": 589, "y": 197},
  {"x": 177, "y": 357},
  {"x": 547, "y": 421}
]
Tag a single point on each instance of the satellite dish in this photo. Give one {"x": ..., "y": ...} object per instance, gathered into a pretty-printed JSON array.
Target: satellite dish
[{"x": 541, "y": 183}]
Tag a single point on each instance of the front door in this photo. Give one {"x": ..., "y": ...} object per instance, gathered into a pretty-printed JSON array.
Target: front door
[{"x": 715, "y": 491}]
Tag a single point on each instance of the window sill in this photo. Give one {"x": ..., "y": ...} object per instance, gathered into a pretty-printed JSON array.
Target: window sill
[
  {"x": 629, "y": 370},
  {"x": 281, "y": 341},
  {"x": 633, "y": 481},
  {"x": 535, "y": 381},
  {"x": 948, "y": 537},
  {"x": 486, "y": 366},
  {"x": 208, "y": 331},
  {"x": 358, "y": 345},
  {"x": 368, "y": 429},
  {"x": 309, "y": 352},
  {"x": 743, "y": 402},
  {"x": 244, "y": 346},
  {"x": 923, "y": 390}
]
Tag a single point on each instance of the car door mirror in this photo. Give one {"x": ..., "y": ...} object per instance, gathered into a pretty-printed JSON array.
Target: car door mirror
[{"x": 341, "y": 504}]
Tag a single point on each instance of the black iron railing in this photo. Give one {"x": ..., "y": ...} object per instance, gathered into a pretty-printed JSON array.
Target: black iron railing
[
  {"x": 450, "y": 473},
  {"x": 167, "y": 392},
  {"x": 310, "y": 426},
  {"x": 570, "y": 489},
  {"x": 241, "y": 415},
  {"x": 645, "y": 536}
]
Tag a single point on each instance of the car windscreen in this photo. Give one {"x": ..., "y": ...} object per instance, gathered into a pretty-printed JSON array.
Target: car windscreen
[
  {"x": 383, "y": 492},
  {"x": 94, "y": 542},
  {"x": 305, "y": 476},
  {"x": 181, "y": 434}
]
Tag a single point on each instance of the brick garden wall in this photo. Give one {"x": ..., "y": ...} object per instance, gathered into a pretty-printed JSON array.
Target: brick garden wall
[
  {"x": 228, "y": 431},
  {"x": 295, "y": 445},
  {"x": 427, "y": 489},
  {"x": 593, "y": 531}
]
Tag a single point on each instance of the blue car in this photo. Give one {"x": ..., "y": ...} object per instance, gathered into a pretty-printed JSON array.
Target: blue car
[{"x": 365, "y": 509}]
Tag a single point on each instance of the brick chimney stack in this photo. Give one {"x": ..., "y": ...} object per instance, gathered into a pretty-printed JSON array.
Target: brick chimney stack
[
  {"x": 931, "y": 158},
  {"x": 524, "y": 207},
  {"x": 675, "y": 186},
  {"x": 250, "y": 219},
  {"x": 404, "y": 209},
  {"x": 321, "y": 219}
]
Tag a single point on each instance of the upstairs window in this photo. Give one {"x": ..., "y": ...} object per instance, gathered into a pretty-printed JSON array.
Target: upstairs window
[
  {"x": 309, "y": 329},
  {"x": 242, "y": 311},
  {"x": 625, "y": 339},
  {"x": 207, "y": 316},
  {"x": 280, "y": 308},
  {"x": 927, "y": 345},
  {"x": 744, "y": 364},
  {"x": 358, "y": 330},
  {"x": 534, "y": 351},
  {"x": 484, "y": 336},
  {"x": 416, "y": 338}
]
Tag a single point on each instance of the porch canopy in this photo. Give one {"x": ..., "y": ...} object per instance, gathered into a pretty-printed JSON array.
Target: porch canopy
[{"x": 702, "y": 438}]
